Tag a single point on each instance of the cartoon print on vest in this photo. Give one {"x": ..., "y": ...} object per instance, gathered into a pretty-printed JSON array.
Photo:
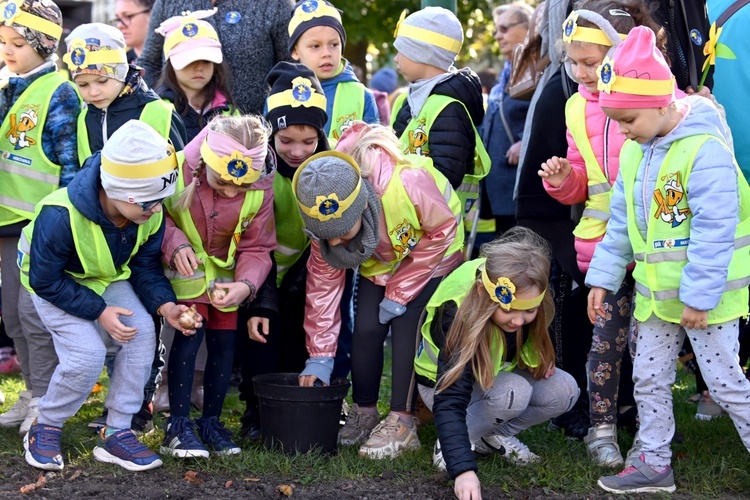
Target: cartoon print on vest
[
  {"x": 418, "y": 140},
  {"x": 667, "y": 208},
  {"x": 345, "y": 122},
  {"x": 406, "y": 237},
  {"x": 244, "y": 224},
  {"x": 20, "y": 127}
]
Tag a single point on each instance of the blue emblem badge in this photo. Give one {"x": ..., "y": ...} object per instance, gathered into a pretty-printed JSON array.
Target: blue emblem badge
[
  {"x": 606, "y": 73},
  {"x": 237, "y": 168},
  {"x": 569, "y": 24},
  {"x": 503, "y": 294},
  {"x": 309, "y": 6},
  {"x": 190, "y": 30},
  {"x": 301, "y": 93},
  {"x": 233, "y": 17},
  {"x": 328, "y": 207},
  {"x": 696, "y": 37},
  {"x": 10, "y": 10},
  {"x": 78, "y": 56}
]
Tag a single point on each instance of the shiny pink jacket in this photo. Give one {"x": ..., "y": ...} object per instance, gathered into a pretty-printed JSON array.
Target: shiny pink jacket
[{"x": 216, "y": 218}]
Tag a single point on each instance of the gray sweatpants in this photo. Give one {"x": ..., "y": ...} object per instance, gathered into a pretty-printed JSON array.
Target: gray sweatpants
[
  {"x": 654, "y": 371},
  {"x": 82, "y": 345},
  {"x": 40, "y": 349}
]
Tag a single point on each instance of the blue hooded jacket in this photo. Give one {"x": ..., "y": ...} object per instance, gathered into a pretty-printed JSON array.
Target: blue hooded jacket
[{"x": 370, "y": 115}]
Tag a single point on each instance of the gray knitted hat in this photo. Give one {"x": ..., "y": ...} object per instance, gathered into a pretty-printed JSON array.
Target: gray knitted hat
[
  {"x": 431, "y": 36},
  {"x": 329, "y": 190}
]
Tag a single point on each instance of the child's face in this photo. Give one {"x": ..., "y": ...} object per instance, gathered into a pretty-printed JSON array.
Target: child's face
[
  {"x": 584, "y": 59},
  {"x": 411, "y": 70},
  {"x": 346, "y": 238},
  {"x": 640, "y": 125},
  {"x": 98, "y": 90},
  {"x": 196, "y": 75},
  {"x": 296, "y": 143},
  {"x": 18, "y": 55},
  {"x": 510, "y": 321},
  {"x": 319, "y": 48},
  {"x": 135, "y": 212},
  {"x": 224, "y": 189}
]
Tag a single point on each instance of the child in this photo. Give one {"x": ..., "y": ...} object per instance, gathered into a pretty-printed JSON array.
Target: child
[
  {"x": 485, "y": 364},
  {"x": 113, "y": 90},
  {"x": 439, "y": 115},
  {"x": 38, "y": 109},
  {"x": 586, "y": 175},
  {"x": 680, "y": 209},
  {"x": 393, "y": 221},
  {"x": 219, "y": 236},
  {"x": 317, "y": 39},
  {"x": 91, "y": 260},
  {"x": 195, "y": 78}
]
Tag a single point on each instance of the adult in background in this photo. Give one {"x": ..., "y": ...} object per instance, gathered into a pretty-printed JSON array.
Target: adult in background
[
  {"x": 253, "y": 35},
  {"x": 131, "y": 18}
]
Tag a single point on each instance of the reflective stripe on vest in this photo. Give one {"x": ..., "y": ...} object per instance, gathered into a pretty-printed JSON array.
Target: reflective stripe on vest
[
  {"x": 291, "y": 242},
  {"x": 595, "y": 215},
  {"x": 660, "y": 259},
  {"x": 26, "y": 174},
  {"x": 348, "y": 107}
]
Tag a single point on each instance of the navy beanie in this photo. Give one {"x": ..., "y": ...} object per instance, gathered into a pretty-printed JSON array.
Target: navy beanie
[
  {"x": 296, "y": 97},
  {"x": 310, "y": 13},
  {"x": 384, "y": 80}
]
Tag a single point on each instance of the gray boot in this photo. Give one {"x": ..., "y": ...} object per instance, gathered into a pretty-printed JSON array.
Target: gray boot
[{"x": 601, "y": 442}]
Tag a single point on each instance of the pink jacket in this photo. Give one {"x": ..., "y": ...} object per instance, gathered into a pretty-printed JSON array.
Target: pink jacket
[
  {"x": 216, "y": 218},
  {"x": 427, "y": 259}
]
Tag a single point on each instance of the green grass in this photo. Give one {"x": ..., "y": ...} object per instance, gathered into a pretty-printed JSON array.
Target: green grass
[{"x": 710, "y": 462}]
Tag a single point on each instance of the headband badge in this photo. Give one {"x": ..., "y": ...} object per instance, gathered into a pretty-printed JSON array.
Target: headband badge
[
  {"x": 504, "y": 292},
  {"x": 9, "y": 12},
  {"x": 606, "y": 73},
  {"x": 309, "y": 6},
  {"x": 570, "y": 26},
  {"x": 78, "y": 56},
  {"x": 237, "y": 168},
  {"x": 190, "y": 30},
  {"x": 301, "y": 92},
  {"x": 330, "y": 205}
]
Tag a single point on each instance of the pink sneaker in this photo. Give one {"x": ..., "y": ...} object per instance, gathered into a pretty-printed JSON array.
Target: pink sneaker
[{"x": 9, "y": 361}]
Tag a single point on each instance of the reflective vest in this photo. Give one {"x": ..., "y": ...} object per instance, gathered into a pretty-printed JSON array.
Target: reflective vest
[
  {"x": 593, "y": 222},
  {"x": 402, "y": 222},
  {"x": 99, "y": 270},
  {"x": 661, "y": 258},
  {"x": 156, "y": 113},
  {"x": 212, "y": 270},
  {"x": 26, "y": 174},
  {"x": 415, "y": 139},
  {"x": 454, "y": 288},
  {"x": 348, "y": 107},
  {"x": 291, "y": 242}
]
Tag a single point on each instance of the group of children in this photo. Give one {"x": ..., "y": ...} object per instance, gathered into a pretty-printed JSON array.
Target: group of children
[{"x": 130, "y": 214}]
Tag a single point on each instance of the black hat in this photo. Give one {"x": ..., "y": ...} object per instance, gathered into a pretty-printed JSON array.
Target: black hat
[
  {"x": 310, "y": 13},
  {"x": 296, "y": 97}
]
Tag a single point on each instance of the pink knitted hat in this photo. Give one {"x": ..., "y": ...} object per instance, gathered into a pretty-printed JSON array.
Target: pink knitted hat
[{"x": 637, "y": 76}]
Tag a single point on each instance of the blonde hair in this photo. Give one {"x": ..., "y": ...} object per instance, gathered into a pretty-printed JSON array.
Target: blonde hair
[
  {"x": 249, "y": 130},
  {"x": 524, "y": 257},
  {"x": 371, "y": 139}
]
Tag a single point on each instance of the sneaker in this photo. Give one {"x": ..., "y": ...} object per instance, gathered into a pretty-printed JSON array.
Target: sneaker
[
  {"x": 575, "y": 422},
  {"x": 358, "y": 426},
  {"x": 17, "y": 413},
  {"x": 250, "y": 420},
  {"x": 42, "y": 445},
  {"x": 390, "y": 438},
  {"x": 99, "y": 422},
  {"x": 124, "y": 449},
  {"x": 639, "y": 478},
  {"x": 142, "y": 422},
  {"x": 509, "y": 447},
  {"x": 601, "y": 443},
  {"x": 33, "y": 412},
  {"x": 216, "y": 437},
  {"x": 437, "y": 457},
  {"x": 2, "y": 398},
  {"x": 180, "y": 440},
  {"x": 708, "y": 409}
]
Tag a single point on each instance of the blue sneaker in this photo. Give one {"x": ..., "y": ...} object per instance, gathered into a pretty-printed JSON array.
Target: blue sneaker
[
  {"x": 124, "y": 449},
  {"x": 216, "y": 437},
  {"x": 42, "y": 445},
  {"x": 180, "y": 440}
]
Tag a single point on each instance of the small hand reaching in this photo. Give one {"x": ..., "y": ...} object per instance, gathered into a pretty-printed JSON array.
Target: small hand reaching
[{"x": 555, "y": 171}]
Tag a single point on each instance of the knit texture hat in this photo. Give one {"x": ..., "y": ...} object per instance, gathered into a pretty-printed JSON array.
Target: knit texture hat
[
  {"x": 188, "y": 39},
  {"x": 39, "y": 22},
  {"x": 310, "y": 13},
  {"x": 431, "y": 36},
  {"x": 330, "y": 193},
  {"x": 637, "y": 76},
  {"x": 96, "y": 49},
  {"x": 384, "y": 80},
  {"x": 232, "y": 160},
  {"x": 138, "y": 164},
  {"x": 296, "y": 97}
]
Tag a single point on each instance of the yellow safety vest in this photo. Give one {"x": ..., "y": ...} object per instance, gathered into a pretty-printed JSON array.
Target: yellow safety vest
[
  {"x": 26, "y": 174},
  {"x": 401, "y": 218},
  {"x": 348, "y": 107},
  {"x": 99, "y": 270},
  {"x": 291, "y": 242},
  {"x": 661, "y": 259},
  {"x": 213, "y": 270}
]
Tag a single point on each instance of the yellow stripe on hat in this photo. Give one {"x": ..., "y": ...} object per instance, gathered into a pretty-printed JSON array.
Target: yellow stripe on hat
[
  {"x": 79, "y": 56},
  {"x": 235, "y": 168},
  {"x": 328, "y": 206},
  {"x": 12, "y": 13},
  {"x": 608, "y": 81},
  {"x": 142, "y": 170},
  {"x": 189, "y": 30},
  {"x": 574, "y": 33},
  {"x": 302, "y": 93},
  {"x": 310, "y": 10},
  {"x": 427, "y": 36}
]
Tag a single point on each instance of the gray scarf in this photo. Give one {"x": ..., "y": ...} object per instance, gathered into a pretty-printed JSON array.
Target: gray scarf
[{"x": 420, "y": 90}]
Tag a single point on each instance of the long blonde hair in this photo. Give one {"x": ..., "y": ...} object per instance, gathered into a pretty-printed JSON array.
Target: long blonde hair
[
  {"x": 372, "y": 138},
  {"x": 524, "y": 257},
  {"x": 249, "y": 130}
]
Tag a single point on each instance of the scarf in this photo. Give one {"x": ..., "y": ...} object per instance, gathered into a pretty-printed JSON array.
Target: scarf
[{"x": 420, "y": 91}]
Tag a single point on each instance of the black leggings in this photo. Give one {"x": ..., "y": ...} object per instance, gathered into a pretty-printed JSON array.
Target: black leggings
[{"x": 367, "y": 346}]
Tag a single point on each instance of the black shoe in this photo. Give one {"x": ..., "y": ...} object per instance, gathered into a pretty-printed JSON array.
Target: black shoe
[
  {"x": 575, "y": 422},
  {"x": 250, "y": 429},
  {"x": 143, "y": 421}
]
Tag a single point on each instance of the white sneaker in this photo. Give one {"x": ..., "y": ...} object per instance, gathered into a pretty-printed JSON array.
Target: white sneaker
[
  {"x": 2, "y": 398},
  {"x": 30, "y": 416},
  {"x": 437, "y": 456},
  {"x": 17, "y": 413},
  {"x": 509, "y": 447}
]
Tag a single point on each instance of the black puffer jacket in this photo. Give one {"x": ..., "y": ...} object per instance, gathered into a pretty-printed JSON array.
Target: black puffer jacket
[{"x": 451, "y": 140}]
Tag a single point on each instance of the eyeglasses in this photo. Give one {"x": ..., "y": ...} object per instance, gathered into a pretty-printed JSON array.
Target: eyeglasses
[
  {"x": 127, "y": 19},
  {"x": 503, "y": 28},
  {"x": 150, "y": 205}
]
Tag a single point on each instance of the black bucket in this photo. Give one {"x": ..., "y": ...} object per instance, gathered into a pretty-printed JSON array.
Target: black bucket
[{"x": 299, "y": 419}]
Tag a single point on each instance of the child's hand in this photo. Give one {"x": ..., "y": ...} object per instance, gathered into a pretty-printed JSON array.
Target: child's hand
[
  {"x": 258, "y": 335},
  {"x": 237, "y": 292},
  {"x": 467, "y": 486},
  {"x": 594, "y": 308},
  {"x": 694, "y": 319},
  {"x": 514, "y": 153},
  {"x": 185, "y": 261},
  {"x": 550, "y": 371},
  {"x": 171, "y": 313},
  {"x": 110, "y": 321},
  {"x": 555, "y": 171}
]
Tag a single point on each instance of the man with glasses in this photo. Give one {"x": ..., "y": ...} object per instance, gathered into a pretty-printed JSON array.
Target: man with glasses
[{"x": 131, "y": 18}]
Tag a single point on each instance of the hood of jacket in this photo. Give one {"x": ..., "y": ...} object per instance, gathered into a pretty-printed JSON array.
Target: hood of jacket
[{"x": 465, "y": 86}]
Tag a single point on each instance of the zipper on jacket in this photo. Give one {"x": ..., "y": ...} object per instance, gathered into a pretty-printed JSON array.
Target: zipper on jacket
[
  {"x": 644, "y": 197},
  {"x": 606, "y": 149},
  {"x": 104, "y": 126}
]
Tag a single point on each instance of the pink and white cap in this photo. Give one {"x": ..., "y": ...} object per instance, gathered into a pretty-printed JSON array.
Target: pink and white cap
[{"x": 188, "y": 39}]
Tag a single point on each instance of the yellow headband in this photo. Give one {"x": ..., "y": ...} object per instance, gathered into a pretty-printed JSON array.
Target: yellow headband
[
  {"x": 189, "y": 30},
  {"x": 12, "y": 13},
  {"x": 79, "y": 56},
  {"x": 328, "y": 207},
  {"x": 502, "y": 292},
  {"x": 143, "y": 170},
  {"x": 427, "y": 36},
  {"x": 234, "y": 168},
  {"x": 609, "y": 82},
  {"x": 574, "y": 33},
  {"x": 302, "y": 93},
  {"x": 310, "y": 10}
]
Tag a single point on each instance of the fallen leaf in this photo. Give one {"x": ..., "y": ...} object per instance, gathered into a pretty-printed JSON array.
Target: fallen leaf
[
  {"x": 284, "y": 489},
  {"x": 192, "y": 477},
  {"x": 228, "y": 484},
  {"x": 41, "y": 482},
  {"x": 75, "y": 475},
  {"x": 97, "y": 388},
  {"x": 251, "y": 479}
]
